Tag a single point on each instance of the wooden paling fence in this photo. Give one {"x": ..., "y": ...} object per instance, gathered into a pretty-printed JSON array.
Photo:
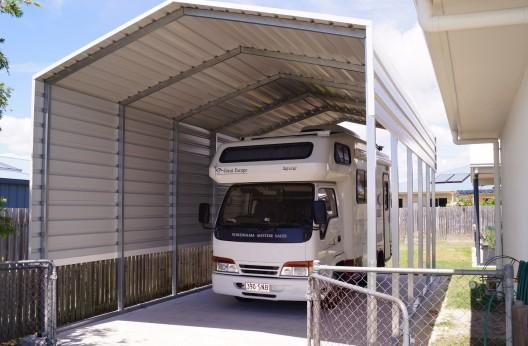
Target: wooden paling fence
[
  {"x": 15, "y": 246},
  {"x": 451, "y": 221},
  {"x": 89, "y": 289}
]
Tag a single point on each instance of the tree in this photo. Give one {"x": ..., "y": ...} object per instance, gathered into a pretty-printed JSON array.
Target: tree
[{"x": 12, "y": 8}]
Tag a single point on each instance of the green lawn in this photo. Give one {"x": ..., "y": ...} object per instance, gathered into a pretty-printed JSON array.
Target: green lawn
[{"x": 449, "y": 254}]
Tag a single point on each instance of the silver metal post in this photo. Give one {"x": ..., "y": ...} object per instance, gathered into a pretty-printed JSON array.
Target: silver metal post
[
  {"x": 433, "y": 233},
  {"x": 428, "y": 217},
  {"x": 121, "y": 211},
  {"x": 395, "y": 232},
  {"x": 316, "y": 307},
  {"x": 508, "y": 292},
  {"x": 174, "y": 205},
  {"x": 371, "y": 184},
  {"x": 45, "y": 171},
  {"x": 498, "y": 203},
  {"x": 420, "y": 221},
  {"x": 213, "y": 144},
  {"x": 410, "y": 225}
]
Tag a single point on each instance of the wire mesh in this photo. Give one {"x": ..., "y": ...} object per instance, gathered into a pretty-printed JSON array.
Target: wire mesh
[
  {"x": 443, "y": 309},
  {"x": 27, "y": 301}
]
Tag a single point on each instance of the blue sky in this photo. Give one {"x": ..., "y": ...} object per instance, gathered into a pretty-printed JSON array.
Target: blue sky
[{"x": 46, "y": 34}]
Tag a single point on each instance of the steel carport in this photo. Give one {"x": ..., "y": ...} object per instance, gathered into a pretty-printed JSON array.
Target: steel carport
[{"x": 124, "y": 127}]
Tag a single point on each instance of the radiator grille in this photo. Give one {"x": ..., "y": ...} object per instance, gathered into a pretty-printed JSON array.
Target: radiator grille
[{"x": 259, "y": 270}]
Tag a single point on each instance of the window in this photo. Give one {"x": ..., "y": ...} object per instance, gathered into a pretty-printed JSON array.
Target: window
[
  {"x": 269, "y": 152},
  {"x": 328, "y": 195},
  {"x": 361, "y": 186},
  {"x": 342, "y": 154},
  {"x": 386, "y": 195},
  {"x": 268, "y": 205}
]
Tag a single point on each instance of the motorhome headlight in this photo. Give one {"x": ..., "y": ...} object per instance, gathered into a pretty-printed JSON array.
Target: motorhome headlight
[
  {"x": 297, "y": 268},
  {"x": 226, "y": 265}
]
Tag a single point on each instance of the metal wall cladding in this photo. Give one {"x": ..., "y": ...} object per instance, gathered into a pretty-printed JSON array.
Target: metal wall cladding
[
  {"x": 82, "y": 181},
  {"x": 147, "y": 177}
]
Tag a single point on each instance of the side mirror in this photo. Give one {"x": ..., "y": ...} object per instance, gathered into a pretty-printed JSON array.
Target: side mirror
[
  {"x": 319, "y": 212},
  {"x": 204, "y": 213}
]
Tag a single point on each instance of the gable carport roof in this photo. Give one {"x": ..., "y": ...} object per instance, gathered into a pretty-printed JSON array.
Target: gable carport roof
[{"x": 242, "y": 71}]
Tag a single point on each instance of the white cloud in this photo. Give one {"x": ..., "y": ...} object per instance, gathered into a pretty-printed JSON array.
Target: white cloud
[{"x": 16, "y": 136}]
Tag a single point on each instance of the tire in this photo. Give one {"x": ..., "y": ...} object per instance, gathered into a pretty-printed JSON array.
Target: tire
[{"x": 381, "y": 259}]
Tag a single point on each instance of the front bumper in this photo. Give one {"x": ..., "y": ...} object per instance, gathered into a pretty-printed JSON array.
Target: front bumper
[{"x": 291, "y": 289}]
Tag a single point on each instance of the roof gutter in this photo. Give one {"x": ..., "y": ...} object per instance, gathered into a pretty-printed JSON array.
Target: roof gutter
[
  {"x": 476, "y": 20},
  {"x": 457, "y": 140}
]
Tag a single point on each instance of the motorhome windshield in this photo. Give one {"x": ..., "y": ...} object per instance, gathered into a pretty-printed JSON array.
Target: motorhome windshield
[{"x": 273, "y": 212}]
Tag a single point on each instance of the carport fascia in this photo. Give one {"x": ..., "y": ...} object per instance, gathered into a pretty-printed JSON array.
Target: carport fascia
[{"x": 393, "y": 111}]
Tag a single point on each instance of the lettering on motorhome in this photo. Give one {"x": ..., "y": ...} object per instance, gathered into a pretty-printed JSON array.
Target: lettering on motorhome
[
  {"x": 227, "y": 171},
  {"x": 289, "y": 168}
]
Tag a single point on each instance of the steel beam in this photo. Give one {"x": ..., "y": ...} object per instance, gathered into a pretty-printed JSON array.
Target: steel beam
[
  {"x": 498, "y": 202},
  {"x": 349, "y": 31},
  {"x": 353, "y": 87},
  {"x": 372, "y": 320},
  {"x": 433, "y": 233},
  {"x": 263, "y": 110},
  {"x": 213, "y": 143},
  {"x": 118, "y": 44},
  {"x": 121, "y": 210},
  {"x": 410, "y": 224},
  {"x": 295, "y": 119},
  {"x": 428, "y": 217},
  {"x": 228, "y": 96},
  {"x": 181, "y": 76},
  {"x": 304, "y": 59},
  {"x": 395, "y": 231},
  {"x": 45, "y": 171},
  {"x": 420, "y": 220},
  {"x": 174, "y": 205},
  {"x": 476, "y": 205}
]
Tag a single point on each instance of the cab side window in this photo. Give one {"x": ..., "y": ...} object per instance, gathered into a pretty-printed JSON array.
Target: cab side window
[
  {"x": 342, "y": 154},
  {"x": 386, "y": 194},
  {"x": 328, "y": 196},
  {"x": 361, "y": 186}
]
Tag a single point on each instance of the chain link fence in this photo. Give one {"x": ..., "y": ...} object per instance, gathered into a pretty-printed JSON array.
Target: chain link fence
[
  {"x": 27, "y": 303},
  {"x": 437, "y": 307}
]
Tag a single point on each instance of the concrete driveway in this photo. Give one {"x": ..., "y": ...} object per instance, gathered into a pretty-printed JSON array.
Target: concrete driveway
[{"x": 201, "y": 318}]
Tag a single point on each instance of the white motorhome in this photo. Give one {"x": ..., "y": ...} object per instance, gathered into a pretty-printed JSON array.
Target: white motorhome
[{"x": 292, "y": 200}]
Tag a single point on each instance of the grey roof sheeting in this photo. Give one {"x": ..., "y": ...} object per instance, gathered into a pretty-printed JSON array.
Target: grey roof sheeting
[{"x": 241, "y": 70}]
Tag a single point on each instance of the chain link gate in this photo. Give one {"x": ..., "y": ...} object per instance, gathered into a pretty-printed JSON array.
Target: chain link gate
[
  {"x": 409, "y": 306},
  {"x": 28, "y": 302}
]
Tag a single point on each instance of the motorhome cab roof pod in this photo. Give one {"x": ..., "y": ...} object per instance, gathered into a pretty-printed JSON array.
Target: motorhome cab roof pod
[{"x": 309, "y": 155}]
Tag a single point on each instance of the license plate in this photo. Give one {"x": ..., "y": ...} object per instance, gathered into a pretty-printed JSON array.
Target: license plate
[{"x": 258, "y": 287}]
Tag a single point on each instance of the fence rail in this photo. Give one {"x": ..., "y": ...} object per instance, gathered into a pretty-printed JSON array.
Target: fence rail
[
  {"x": 452, "y": 221},
  {"x": 27, "y": 301},
  {"x": 445, "y": 307},
  {"x": 15, "y": 246}
]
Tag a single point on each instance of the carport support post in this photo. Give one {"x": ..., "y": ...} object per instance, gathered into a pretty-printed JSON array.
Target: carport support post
[
  {"x": 120, "y": 210},
  {"x": 45, "y": 171},
  {"x": 433, "y": 233},
  {"x": 213, "y": 143},
  {"x": 498, "y": 202},
  {"x": 420, "y": 220},
  {"x": 174, "y": 205},
  {"x": 371, "y": 184},
  {"x": 410, "y": 225},
  {"x": 395, "y": 233},
  {"x": 428, "y": 217}
]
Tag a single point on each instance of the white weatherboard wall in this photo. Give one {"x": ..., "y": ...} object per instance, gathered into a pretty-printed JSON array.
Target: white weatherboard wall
[
  {"x": 82, "y": 186},
  {"x": 514, "y": 141}
]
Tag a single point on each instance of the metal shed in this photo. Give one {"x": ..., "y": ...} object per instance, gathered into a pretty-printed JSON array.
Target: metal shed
[{"x": 124, "y": 127}]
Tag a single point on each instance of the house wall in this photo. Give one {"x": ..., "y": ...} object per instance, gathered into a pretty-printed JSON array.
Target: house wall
[
  {"x": 514, "y": 142},
  {"x": 16, "y": 192}
]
